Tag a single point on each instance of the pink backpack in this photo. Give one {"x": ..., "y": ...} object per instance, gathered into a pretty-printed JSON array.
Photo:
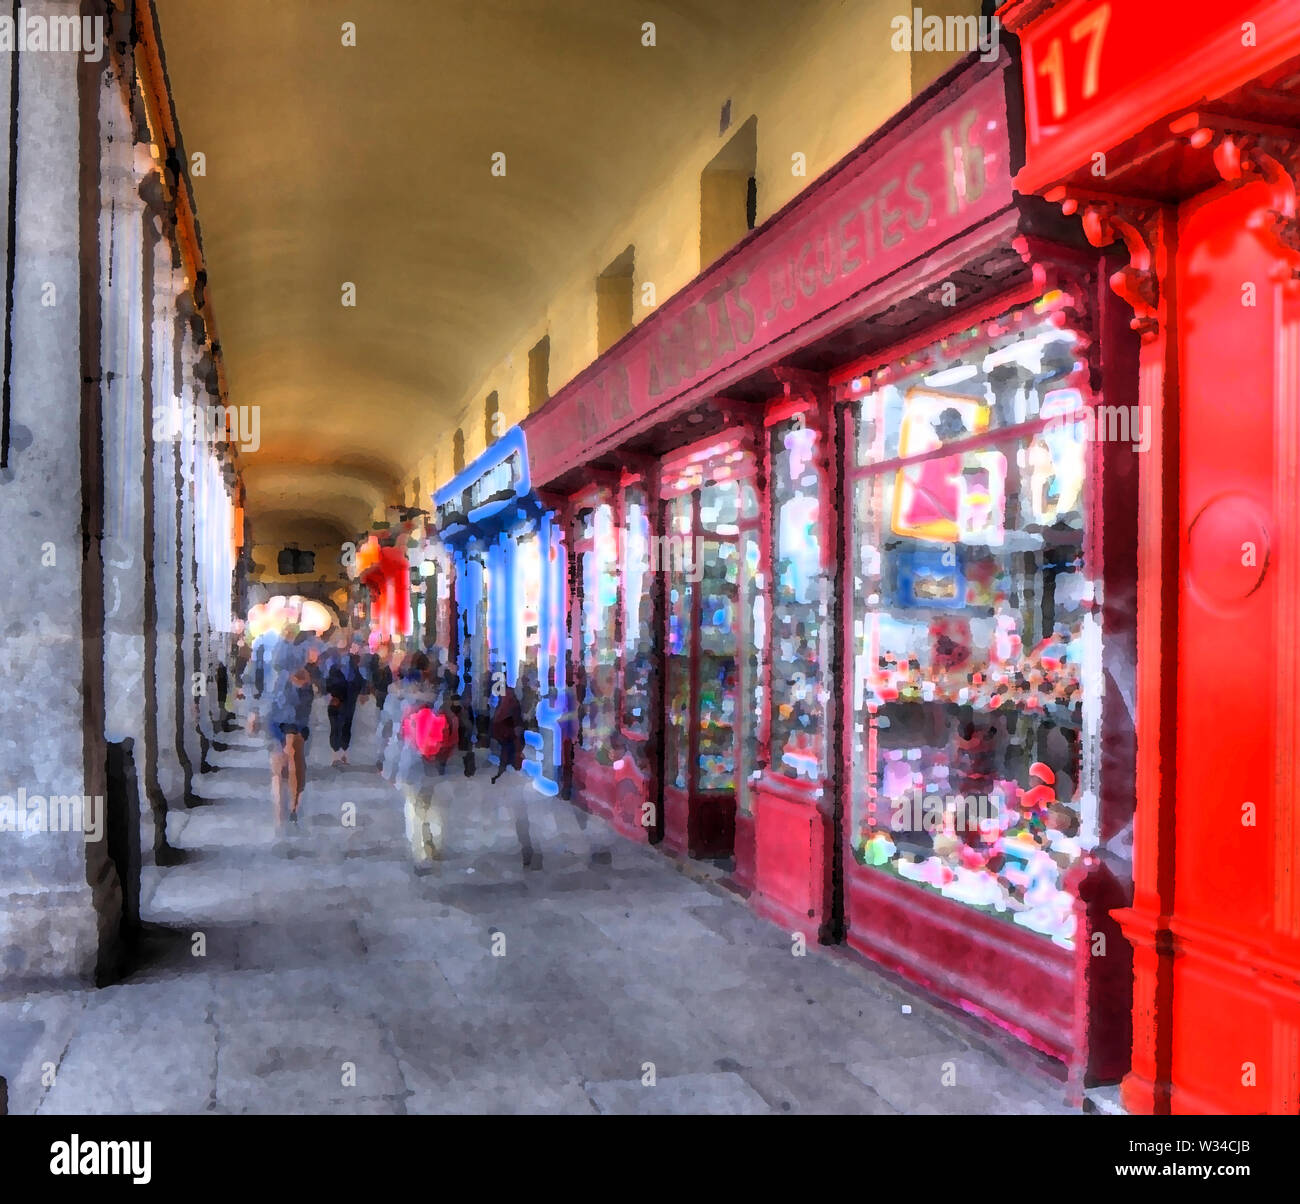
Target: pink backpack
[{"x": 426, "y": 731}]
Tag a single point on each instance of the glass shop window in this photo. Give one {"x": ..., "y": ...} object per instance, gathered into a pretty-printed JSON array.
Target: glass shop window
[
  {"x": 677, "y": 652},
  {"x": 638, "y": 615},
  {"x": 971, "y": 625},
  {"x": 800, "y": 628},
  {"x": 528, "y": 616},
  {"x": 718, "y": 572},
  {"x": 750, "y": 645},
  {"x": 599, "y": 646}
]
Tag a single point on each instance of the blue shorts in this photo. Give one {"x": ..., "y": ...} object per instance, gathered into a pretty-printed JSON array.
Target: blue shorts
[{"x": 280, "y": 730}]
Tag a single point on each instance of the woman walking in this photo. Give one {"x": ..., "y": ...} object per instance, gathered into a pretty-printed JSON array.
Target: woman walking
[
  {"x": 288, "y": 717},
  {"x": 344, "y": 682}
]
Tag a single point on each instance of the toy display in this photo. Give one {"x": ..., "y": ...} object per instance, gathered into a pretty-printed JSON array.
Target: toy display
[
  {"x": 799, "y": 603},
  {"x": 963, "y": 810},
  {"x": 717, "y": 715},
  {"x": 971, "y": 601},
  {"x": 983, "y": 674},
  {"x": 928, "y": 497}
]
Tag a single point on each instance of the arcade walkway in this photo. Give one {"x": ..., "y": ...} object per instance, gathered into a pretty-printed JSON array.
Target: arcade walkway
[{"x": 323, "y": 949}]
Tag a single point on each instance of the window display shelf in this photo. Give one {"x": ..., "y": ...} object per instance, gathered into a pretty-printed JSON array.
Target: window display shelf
[
  {"x": 1062, "y": 706},
  {"x": 1050, "y": 912}
]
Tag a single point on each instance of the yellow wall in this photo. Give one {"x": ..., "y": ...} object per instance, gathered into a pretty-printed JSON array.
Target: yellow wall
[{"x": 817, "y": 95}]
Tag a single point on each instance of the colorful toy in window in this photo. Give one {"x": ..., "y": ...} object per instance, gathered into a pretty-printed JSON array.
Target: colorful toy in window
[
  {"x": 950, "y": 644},
  {"x": 981, "y": 500},
  {"x": 1005, "y": 646},
  {"x": 802, "y": 754},
  {"x": 896, "y": 781},
  {"x": 878, "y": 848},
  {"x": 798, "y": 552},
  {"x": 983, "y": 581},
  {"x": 1039, "y": 798},
  {"x": 928, "y": 496},
  {"x": 929, "y": 577},
  {"x": 1055, "y": 458},
  {"x": 975, "y": 758},
  {"x": 801, "y": 447}
]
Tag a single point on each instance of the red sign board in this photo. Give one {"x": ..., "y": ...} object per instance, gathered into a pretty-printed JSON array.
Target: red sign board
[
  {"x": 921, "y": 185},
  {"x": 1099, "y": 71}
]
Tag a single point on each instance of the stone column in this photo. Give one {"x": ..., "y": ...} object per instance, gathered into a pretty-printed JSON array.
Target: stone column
[
  {"x": 124, "y": 440},
  {"x": 188, "y": 447},
  {"x": 164, "y": 781},
  {"x": 60, "y": 899}
]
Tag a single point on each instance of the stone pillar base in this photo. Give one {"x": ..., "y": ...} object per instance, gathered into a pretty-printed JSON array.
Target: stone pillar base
[{"x": 53, "y": 935}]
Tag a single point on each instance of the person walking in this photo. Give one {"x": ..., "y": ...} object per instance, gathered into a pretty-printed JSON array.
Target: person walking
[
  {"x": 344, "y": 681},
  {"x": 450, "y": 739},
  {"x": 425, "y": 735},
  {"x": 260, "y": 659},
  {"x": 507, "y": 729},
  {"x": 243, "y": 653},
  {"x": 390, "y": 715},
  {"x": 379, "y": 669},
  {"x": 288, "y": 698},
  {"x": 447, "y": 677}
]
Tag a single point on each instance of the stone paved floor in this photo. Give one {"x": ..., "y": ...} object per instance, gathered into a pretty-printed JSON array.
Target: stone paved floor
[{"x": 334, "y": 980}]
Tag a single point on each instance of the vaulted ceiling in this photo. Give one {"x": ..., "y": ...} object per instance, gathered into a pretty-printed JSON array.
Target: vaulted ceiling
[{"x": 327, "y": 164}]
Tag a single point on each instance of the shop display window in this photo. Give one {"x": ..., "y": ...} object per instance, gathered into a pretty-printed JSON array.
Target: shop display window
[
  {"x": 480, "y": 677},
  {"x": 719, "y": 584},
  {"x": 599, "y": 569},
  {"x": 752, "y": 639},
  {"x": 638, "y": 615},
  {"x": 677, "y": 650},
  {"x": 709, "y": 552},
  {"x": 445, "y": 621},
  {"x": 800, "y": 629},
  {"x": 528, "y": 617},
  {"x": 972, "y": 623}
]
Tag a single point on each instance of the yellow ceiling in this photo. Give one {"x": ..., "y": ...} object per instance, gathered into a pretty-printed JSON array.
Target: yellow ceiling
[{"x": 370, "y": 164}]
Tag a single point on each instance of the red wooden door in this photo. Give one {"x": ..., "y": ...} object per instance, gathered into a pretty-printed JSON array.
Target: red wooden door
[{"x": 1236, "y": 1017}]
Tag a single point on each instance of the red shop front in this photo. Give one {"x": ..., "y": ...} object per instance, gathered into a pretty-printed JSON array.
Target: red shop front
[
  {"x": 676, "y": 615},
  {"x": 780, "y": 428},
  {"x": 1171, "y": 130}
]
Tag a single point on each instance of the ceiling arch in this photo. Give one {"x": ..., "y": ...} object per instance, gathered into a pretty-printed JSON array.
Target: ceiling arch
[{"x": 369, "y": 164}]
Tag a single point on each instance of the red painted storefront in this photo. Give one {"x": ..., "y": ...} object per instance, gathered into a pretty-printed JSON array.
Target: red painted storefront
[
  {"x": 891, "y": 374},
  {"x": 1170, "y": 128}
]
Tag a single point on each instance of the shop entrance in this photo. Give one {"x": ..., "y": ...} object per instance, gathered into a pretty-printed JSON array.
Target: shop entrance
[{"x": 709, "y": 553}]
